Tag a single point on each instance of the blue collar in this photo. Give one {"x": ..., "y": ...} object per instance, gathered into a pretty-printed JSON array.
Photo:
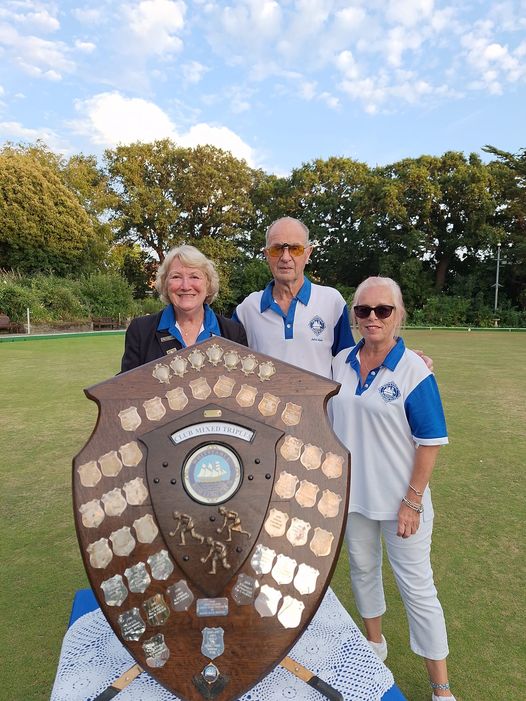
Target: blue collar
[
  {"x": 391, "y": 359},
  {"x": 210, "y": 324},
  {"x": 303, "y": 294}
]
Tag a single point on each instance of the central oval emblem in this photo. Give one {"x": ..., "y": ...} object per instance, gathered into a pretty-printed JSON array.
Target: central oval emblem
[{"x": 212, "y": 474}]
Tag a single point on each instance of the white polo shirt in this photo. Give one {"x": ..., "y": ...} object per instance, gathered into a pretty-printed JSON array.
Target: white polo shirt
[
  {"x": 381, "y": 422},
  {"x": 315, "y": 328}
]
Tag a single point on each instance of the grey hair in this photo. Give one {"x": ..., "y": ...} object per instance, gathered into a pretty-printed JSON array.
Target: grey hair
[
  {"x": 191, "y": 257},
  {"x": 396, "y": 293},
  {"x": 290, "y": 219}
]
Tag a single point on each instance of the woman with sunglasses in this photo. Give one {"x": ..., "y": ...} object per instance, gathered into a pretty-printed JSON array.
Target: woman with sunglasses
[{"x": 389, "y": 415}]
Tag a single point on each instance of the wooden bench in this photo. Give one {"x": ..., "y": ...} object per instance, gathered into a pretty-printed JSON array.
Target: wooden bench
[
  {"x": 104, "y": 322},
  {"x": 10, "y": 326}
]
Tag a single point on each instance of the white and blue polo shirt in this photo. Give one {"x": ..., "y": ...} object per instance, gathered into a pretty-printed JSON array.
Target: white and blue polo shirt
[
  {"x": 381, "y": 422},
  {"x": 210, "y": 326},
  {"x": 315, "y": 328}
]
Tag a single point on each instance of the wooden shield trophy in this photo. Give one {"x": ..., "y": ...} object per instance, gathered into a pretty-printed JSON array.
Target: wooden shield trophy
[{"x": 210, "y": 504}]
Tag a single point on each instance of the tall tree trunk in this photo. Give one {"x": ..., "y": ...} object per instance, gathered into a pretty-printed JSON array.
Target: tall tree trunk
[{"x": 441, "y": 271}]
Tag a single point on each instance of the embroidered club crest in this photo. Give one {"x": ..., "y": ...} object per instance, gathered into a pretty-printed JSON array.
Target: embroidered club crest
[
  {"x": 389, "y": 392},
  {"x": 317, "y": 325}
]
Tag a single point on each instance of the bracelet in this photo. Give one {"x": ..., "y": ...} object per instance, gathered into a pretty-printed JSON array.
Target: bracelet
[
  {"x": 418, "y": 494},
  {"x": 413, "y": 505},
  {"x": 442, "y": 687}
]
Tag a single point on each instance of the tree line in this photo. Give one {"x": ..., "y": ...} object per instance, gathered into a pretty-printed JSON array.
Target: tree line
[{"x": 433, "y": 222}]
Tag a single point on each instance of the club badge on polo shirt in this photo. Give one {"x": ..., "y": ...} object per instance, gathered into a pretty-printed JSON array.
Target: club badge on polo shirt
[
  {"x": 317, "y": 325},
  {"x": 389, "y": 392}
]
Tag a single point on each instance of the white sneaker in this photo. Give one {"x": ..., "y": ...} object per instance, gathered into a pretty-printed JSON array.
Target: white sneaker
[
  {"x": 442, "y": 698},
  {"x": 380, "y": 649}
]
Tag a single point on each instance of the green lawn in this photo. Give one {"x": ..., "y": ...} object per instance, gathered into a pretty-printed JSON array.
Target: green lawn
[{"x": 479, "y": 498}]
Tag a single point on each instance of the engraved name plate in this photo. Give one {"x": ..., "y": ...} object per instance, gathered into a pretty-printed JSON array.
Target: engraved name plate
[
  {"x": 262, "y": 559},
  {"x": 212, "y": 607},
  {"x": 290, "y": 612},
  {"x": 161, "y": 565},
  {"x": 138, "y": 578},
  {"x": 268, "y": 600},
  {"x": 244, "y": 590},
  {"x": 305, "y": 579},
  {"x": 156, "y": 651},
  {"x": 131, "y": 624},
  {"x": 115, "y": 591},
  {"x": 180, "y": 595},
  {"x": 213, "y": 643},
  {"x": 157, "y": 611}
]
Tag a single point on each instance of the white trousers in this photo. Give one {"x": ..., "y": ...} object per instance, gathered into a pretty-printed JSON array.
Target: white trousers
[{"x": 411, "y": 564}]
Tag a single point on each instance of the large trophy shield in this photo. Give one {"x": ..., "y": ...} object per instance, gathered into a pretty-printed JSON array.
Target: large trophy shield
[{"x": 210, "y": 504}]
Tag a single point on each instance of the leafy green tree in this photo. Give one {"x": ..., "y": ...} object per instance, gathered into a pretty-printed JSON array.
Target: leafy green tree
[
  {"x": 445, "y": 211},
  {"x": 509, "y": 172},
  {"x": 107, "y": 294},
  {"x": 329, "y": 196},
  {"x": 44, "y": 227},
  {"x": 164, "y": 195}
]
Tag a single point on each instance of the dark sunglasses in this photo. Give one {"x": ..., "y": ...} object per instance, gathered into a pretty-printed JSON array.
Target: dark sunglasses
[
  {"x": 277, "y": 249},
  {"x": 382, "y": 311}
]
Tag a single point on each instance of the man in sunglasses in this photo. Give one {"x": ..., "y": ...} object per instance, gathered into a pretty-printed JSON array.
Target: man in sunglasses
[{"x": 294, "y": 319}]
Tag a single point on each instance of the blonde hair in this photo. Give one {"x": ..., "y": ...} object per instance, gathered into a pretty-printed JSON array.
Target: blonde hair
[
  {"x": 191, "y": 257},
  {"x": 396, "y": 293}
]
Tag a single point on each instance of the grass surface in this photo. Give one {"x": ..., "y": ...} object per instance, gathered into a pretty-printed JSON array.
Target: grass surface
[{"x": 478, "y": 493}]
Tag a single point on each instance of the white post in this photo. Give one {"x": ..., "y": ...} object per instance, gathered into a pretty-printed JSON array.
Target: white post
[
  {"x": 28, "y": 321},
  {"x": 497, "y": 278}
]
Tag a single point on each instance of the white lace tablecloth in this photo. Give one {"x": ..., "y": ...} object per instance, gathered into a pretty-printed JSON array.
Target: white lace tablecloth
[{"x": 332, "y": 647}]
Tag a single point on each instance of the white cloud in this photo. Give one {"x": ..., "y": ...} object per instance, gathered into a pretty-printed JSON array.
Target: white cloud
[
  {"x": 493, "y": 63},
  {"x": 154, "y": 24},
  {"x": 221, "y": 137},
  {"x": 14, "y": 131},
  {"x": 193, "y": 71},
  {"x": 86, "y": 47},
  {"x": 35, "y": 56},
  {"x": 110, "y": 119},
  {"x": 35, "y": 19},
  {"x": 88, "y": 15},
  {"x": 409, "y": 12}
]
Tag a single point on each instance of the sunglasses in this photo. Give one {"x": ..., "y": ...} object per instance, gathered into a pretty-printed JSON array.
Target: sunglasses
[
  {"x": 382, "y": 311},
  {"x": 277, "y": 249}
]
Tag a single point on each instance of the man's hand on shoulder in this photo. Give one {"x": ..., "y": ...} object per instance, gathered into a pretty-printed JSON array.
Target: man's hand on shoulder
[{"x": 427, "y": 360}]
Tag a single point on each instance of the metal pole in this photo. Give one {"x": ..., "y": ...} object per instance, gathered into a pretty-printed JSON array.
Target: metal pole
[{"x": 497, "y": 278}]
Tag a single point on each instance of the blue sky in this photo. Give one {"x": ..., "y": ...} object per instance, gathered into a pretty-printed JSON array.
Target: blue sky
[{"x": 278, "y": 83}]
